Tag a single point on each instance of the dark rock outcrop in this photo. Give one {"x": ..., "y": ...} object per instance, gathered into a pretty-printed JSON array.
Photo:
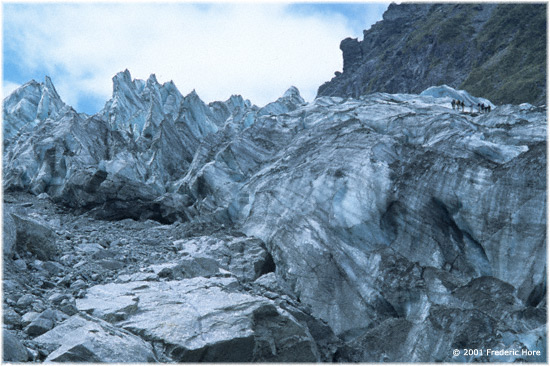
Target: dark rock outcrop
[{"x": 494, "y": 50}]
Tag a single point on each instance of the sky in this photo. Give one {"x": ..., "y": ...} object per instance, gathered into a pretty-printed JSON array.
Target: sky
[{"x": 257, "y": 50}]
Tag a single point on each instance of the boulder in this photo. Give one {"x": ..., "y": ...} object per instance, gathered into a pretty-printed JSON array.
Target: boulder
[
  {"x": 25, "y": 301},
  {"x": 35, "y": 236},
  {"x": 42, "y": 323},
  {"x": 28, "y": 318},
  {"x": 39, "y": 326},
  {"x": 13, "y": 349},
  {"x": 245, "y": 257},
  {"x": 9, "y": 231},
  {"x": 203, "y": 320},
  {"x": 82, "y": 338},
  {"x": 186, "y": 268},
  {"x": 10, "y": 316}
]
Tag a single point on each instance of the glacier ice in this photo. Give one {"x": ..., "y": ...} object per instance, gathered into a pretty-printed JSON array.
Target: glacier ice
[{"x": 383, "y": 214}]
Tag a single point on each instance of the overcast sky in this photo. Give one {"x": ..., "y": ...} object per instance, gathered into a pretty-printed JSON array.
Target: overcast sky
[{"x": 256, "y": 50}]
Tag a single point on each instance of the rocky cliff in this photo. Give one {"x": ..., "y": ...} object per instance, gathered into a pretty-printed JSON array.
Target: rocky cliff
[
  {"x": 388, "y": 227},
  {"x": 493, "y": 50}
]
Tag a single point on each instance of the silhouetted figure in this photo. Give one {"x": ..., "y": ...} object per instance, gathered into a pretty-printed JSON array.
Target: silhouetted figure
[
  {"x": 462, "y": 105},
  {"x": 482, "y": 110},
  {"x": 453, "y": 104},
  {"x": 489, "y": 108}
]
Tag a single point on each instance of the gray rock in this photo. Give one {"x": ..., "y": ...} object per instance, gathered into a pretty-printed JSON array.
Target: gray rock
[
  {"x": 42, "y": 322},
  {"x": 186, "y": 268},
  {"x": 53, "y": 268},
  {"x": 57, "y": 298},
  {"x": 111, "y": 264},
  {"x": 28, "y": 318},
  {"x": 68, "y": 307},
  {"x": 85, "y": 339},
  {"x": 89, "y": 248},
  {"x": 39, "y": 326},
  {"x": 20, "y": 264},
  {"x": 13, "y": 349},
  {"x": 140, "y": 276},
  {"x": 9, "y": 231},
  {"x": 197, "y": 320},
  {"x": 38, "y": 305},
  {"x": 10, "y": 316},
  {"x": 103, "y": 254},
  {"x": 36, "y": 237},
  {"x": 25, "y": 300},
  {"x": 78, "y": 284},
  {"x": 246, "y": 258}
]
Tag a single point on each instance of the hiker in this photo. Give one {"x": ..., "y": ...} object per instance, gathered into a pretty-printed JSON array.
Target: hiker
[
  {"x": 453, "y": 104},
  {"x": 482, "y": 108},
  {"x": 489, "y": 109},
  {"x": 462, "y": 104}
]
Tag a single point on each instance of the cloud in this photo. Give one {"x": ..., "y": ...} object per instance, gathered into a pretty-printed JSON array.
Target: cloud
[{"x": 257, "y": 51}]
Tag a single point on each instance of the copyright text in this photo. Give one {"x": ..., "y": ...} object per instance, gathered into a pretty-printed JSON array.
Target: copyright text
[{"x": 496, "y": 352}]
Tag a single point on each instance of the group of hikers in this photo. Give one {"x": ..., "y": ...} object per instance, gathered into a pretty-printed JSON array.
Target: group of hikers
[
  {"x": 458, "y": 104},
  {"x": 482, "y": 108}
]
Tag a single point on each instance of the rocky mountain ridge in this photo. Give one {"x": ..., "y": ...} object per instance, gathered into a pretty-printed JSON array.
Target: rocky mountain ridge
[
  {"x": 381, "y": 228},
  {"x": 493, "y": 50}
]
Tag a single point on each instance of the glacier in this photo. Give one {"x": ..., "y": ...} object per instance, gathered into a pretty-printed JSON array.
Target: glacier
[{"x": 391, "y": 221}]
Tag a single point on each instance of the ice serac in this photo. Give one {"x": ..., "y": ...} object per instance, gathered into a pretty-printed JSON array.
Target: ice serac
[
  {"x": 120, "y": 160},
  {"x": 31, "y": 104},
  {"x": 290, "y": 100},
  {"x": 251, "y": 137}
]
